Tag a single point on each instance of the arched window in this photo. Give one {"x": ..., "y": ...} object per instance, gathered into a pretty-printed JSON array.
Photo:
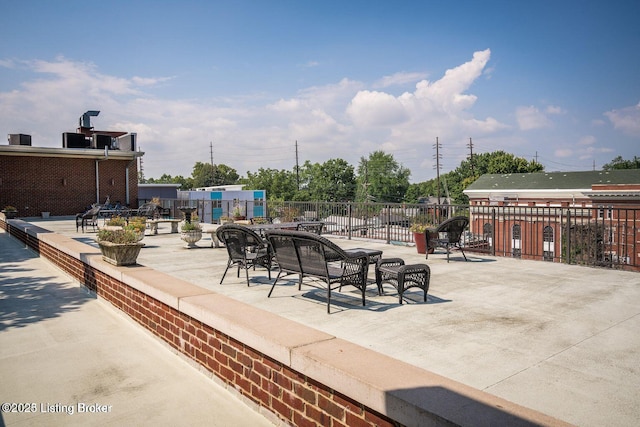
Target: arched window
[
  {"x": 516, "y": 241},
  {"x": 487, "y": 231},
  {"x": 548, "y": 249}
]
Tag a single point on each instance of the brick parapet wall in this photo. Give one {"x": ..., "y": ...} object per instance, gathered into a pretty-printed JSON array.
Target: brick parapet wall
[{"x": 296, "y": 376}]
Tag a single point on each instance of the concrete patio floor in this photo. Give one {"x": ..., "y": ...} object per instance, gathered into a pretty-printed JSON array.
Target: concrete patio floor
[{"x": 559, "y": 339}]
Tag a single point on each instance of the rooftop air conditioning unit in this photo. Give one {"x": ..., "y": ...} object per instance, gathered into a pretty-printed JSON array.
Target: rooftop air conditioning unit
[
  {"x": 19, "y": 139},
  {"x": 99, "y": 141},
  {"x": 127, "y": 142},
  {"x": 74, "y": 140}
]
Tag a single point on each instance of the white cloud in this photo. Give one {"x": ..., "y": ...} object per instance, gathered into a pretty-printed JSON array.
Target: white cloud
[
  {"x": 587, "y": 140},
  {"x": 398, "y": 79},
  {"x": 376, "y": 109},
  {"x": 563, "y": 152},
  {"x": 626, "y": 119},
  {"x": 552, "y": 109},
  {"x": 311, "y": 64},
  {"x": 530, "y": 118},
  {"x": 344, "y": 120}
]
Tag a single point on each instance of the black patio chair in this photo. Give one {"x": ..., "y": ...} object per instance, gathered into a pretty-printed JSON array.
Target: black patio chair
[
  {"x": 312, "y": 227},
  {"x": 89, "y": 218},
  {"x": 453, "y": 228},
  {"x": 246, "y": 249}
]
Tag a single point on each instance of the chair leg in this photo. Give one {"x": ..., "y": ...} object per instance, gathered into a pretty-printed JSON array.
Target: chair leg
[
  {"x": 461, "y": 250},
  {"x": 274, "y": 284},
  {"x": 225, "y": 271}
]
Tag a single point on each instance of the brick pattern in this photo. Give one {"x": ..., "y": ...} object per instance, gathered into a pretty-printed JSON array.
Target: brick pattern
[
  {"x": 63, "y": 186},
  {"x": 295, "y": 398}
]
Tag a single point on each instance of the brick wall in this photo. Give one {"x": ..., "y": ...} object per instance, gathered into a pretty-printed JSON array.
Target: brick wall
[{"x": 63, "y": 186}]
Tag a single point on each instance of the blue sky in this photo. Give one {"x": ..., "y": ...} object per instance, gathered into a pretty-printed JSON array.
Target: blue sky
[{"x": 559, "y": 80}]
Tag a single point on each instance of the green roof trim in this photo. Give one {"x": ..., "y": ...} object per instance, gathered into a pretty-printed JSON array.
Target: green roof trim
[{"x": 554, "y": 180}]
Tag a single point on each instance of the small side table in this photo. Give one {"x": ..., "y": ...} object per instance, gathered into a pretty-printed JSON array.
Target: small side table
[
  {"x": 373, "y": 254},
  {"x": 401, "y": 276}
]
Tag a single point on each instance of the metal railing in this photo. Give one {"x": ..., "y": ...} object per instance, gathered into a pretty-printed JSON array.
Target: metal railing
[{"x": 603, "y": 237}]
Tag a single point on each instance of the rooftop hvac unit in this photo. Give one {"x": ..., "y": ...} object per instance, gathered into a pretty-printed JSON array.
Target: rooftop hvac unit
[
  {"x": 127, "y": 142},
  {"x": 19, "y": 139},
  {"x": 99, "y": 141},
  {"x": 74, "y": 140}
]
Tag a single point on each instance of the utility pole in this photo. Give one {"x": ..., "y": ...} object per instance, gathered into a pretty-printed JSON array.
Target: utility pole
[
  {"x": 297, "y": 167},
  {"x": 212, "y": 167},
  {"x": 438, "y": 156},
  {"x": 470, "y": 145},
  {"x": 141, "y": 168},
  {"x": 365, "y": 184}
]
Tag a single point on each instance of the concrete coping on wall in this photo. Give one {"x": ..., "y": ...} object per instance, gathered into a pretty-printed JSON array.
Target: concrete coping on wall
[{"x": 403, "y": 392}]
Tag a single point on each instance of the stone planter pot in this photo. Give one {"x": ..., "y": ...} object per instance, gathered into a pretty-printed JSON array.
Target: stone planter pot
[
  {"x": 191, "y": 237},
  {"x": 120, "y": 253},
  {"x": 45, "y": 214},
  {"x": 10, "y": 214}
]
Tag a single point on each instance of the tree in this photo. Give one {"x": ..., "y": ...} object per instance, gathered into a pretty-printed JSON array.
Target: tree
[
  {"x": 381, "y": 179},
  {"x": 620, "y": 163},
  {"x": 207, "y": 175},
  {"x": 455, "y": 182},
  {"x": 224, "y": 175},
  {"x": 332, "y": 181},
  {"x": 279, "y": 184},
  {"x": 185, "y": 183}
]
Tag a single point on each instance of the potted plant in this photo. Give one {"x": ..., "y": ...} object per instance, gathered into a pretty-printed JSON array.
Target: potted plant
[
  {"x": 238, "y": 212},
  {"x": 10, "y": 212},
  {"x": 225, "y": 220},
  {"x": 191, "y": 231},
  {"x": 116, "y": 221},
  {"x": 421, "y": 228},
  {"x": 137, "y": 224},
  {"x": 119, "y": 246}
]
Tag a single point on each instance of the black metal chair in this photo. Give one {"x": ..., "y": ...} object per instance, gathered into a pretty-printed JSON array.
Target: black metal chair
[
  {"x": 312, "y": 227},
  {"x": 453, "y": 228},
  {"x": 245, "y": 247},
  {"x": 150, "y": 210},
  {"x": 89, "y": 218}
]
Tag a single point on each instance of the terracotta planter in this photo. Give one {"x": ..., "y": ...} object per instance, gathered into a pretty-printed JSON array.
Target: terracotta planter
[
  {"x": 120, "y": 253},
  {"x": 191, "y": 237},
  {"x": 421, "y": 243}
]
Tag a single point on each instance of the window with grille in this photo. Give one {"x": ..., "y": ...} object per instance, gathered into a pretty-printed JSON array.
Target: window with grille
[{"x": 548, "y": 250}]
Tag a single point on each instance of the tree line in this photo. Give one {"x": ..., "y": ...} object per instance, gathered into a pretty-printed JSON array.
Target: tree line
[{"x": 377, "y": 178}]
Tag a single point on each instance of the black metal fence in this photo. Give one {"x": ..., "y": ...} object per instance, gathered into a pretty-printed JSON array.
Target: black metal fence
[{"x": 604, "y": 237}]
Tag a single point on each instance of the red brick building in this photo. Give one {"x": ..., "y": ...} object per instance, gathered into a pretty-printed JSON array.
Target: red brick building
[
  {"x": 559, "y": 216},
  {"x": 64, "y": 181}
]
